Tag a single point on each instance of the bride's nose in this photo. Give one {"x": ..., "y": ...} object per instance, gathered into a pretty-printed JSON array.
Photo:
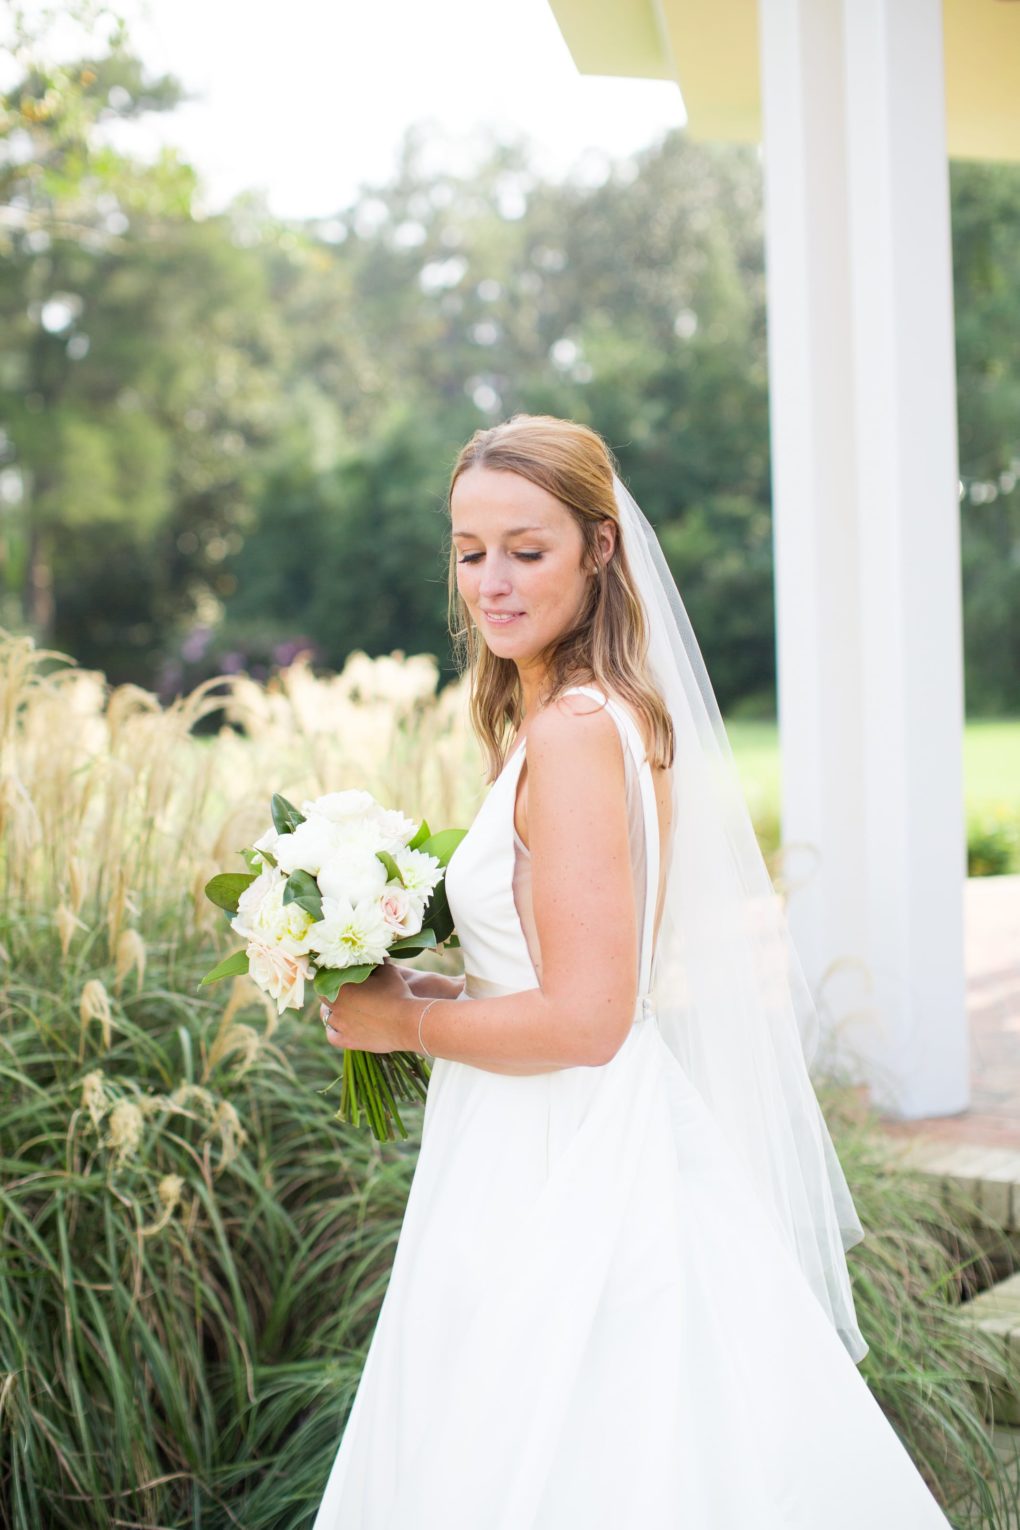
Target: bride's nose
[{"x": 495, "y": 580}]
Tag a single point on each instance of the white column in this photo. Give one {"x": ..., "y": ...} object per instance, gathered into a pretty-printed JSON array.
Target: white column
[
  {"x": 872, "y": 906},
  {"x": 909, "y": 539},
  {"x": 814, "y": 496}
]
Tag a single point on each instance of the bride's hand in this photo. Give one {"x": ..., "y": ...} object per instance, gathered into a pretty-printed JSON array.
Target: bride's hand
[{"x": 370, "y": 1016}]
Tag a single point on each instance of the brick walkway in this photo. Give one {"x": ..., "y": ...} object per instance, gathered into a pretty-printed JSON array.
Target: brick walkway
[{"x": 992, "y": 947}]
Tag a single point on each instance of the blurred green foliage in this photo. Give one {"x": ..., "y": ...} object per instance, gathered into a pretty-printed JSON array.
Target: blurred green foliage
[{"x": 224, "y": 439}]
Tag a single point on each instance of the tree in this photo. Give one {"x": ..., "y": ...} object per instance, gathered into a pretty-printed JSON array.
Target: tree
[
  {"x": 986, "y": 224},
  {"x": 135, "y": 385}
]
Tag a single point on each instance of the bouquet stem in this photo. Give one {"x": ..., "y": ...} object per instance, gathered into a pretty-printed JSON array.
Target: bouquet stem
[{"x": 373, "y": 1082}]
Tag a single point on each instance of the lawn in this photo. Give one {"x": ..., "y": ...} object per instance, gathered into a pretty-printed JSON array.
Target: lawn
[{"x": 991, "y": 763}]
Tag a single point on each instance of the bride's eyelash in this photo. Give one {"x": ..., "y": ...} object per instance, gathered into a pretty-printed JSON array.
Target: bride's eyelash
[{"x": 474, "y": 557}]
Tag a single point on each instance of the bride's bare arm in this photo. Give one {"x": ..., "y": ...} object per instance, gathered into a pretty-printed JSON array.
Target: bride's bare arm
[{"x": 585, "y": 915}]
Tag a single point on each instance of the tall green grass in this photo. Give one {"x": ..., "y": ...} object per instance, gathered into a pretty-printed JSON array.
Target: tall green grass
[
  {"x": 939, "y": 1378},
  {"x": 192, "y": 1255}
]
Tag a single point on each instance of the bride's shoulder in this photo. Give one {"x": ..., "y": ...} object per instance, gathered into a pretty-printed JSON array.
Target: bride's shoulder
[
  {"x": 573, "y": 715},
  {"x": 584, "y": 703},
  {"x": 576, "y": 721}
]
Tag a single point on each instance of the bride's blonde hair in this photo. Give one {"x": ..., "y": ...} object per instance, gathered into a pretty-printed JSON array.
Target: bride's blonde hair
[{"x": 606, "y": 646}]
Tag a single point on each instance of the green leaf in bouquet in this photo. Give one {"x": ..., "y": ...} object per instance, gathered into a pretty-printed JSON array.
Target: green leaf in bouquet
[
  {"x": 329, "y": 980},
  {"x": 442, "y": 845},
  {"x": 392, "y": 869},
  {"x": 411, "y": 945},
  {"x": 303, "y": 889},
  {"x": 230, "y": 966},
  {"x": 438, "y": 918},
  {"x": 285, "y": 815},
  {"x": 225, "y": 889},
  {"x": 420, "y": 837},
  {"x": 253, "y": 859}
]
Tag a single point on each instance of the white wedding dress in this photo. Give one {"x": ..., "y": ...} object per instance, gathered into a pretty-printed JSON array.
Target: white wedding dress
[{"x": 590, "y": 1323}]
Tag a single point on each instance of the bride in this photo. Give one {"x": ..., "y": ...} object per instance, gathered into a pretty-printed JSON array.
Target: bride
[{"x": 620, "y": 1296}]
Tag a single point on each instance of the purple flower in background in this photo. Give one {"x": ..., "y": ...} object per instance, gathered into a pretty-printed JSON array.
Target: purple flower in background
[
  {"x": 169, "y": 680},
  {"x": 195, "y": 644},
  {"x": 286, "y": 652}
]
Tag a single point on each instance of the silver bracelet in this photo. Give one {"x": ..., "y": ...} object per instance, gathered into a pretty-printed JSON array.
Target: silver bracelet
[{"x": 421, "y": 1017}]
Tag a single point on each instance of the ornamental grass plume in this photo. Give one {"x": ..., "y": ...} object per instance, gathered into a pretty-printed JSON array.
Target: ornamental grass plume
[
  {"x": 68, "y": 924},
  {"x": 129, "y": 956},
  {"x": 233, "y": 1036},
  {"x": 226, "y": 1124},
  {"x": 95, "y": 1005},
  {"x": 169, "y": 1191},
  {"x": 94, "y": 1097},
  {"x": 125, "y": 1128}
]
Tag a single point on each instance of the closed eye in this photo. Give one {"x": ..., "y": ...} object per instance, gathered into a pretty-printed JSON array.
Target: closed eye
[{"x": 528, "y": 557}]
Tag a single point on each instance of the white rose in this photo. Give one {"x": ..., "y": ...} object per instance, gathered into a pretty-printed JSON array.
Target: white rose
[
  {"x": 310, "y": 845},
  {"x": 258, "y": 903},
  {"x": 360, "y": 834},
  {"x": 339, "y": 807},
  {"x": 280, "y": 974},
  {"x": 349, "y": 934},
  {"x": 355, "y": 874},
  {"x": 421, "y": 873},
  {"x": 395, "y": 829},
  {"x": 402, "y": 910}
]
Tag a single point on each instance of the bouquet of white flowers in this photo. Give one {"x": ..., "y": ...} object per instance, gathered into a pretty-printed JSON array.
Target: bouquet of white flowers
[{"x": 329, "y": 893}]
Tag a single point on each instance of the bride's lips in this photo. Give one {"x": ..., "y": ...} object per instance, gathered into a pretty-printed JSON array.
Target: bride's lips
[{"x": 501, "y": 618}]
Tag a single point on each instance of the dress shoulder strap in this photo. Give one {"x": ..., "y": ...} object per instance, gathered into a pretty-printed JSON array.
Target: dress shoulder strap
[{"x": 650, "y": 815}]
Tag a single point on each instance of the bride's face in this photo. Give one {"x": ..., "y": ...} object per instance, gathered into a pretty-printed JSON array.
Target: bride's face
[{"x": 518, "y": 555}]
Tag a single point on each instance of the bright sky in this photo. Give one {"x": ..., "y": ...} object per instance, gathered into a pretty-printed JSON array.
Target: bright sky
[{"x": 309, "y": 99}]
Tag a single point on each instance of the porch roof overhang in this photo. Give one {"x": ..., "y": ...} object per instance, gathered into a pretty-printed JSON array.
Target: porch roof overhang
[{"x": 710, "y": 48}]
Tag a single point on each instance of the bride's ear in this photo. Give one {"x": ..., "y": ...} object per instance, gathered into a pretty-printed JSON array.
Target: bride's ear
[{"x": 606, "y": 532}]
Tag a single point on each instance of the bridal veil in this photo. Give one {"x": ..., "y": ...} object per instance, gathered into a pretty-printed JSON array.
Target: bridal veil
[{"x": 731, "y": 997}]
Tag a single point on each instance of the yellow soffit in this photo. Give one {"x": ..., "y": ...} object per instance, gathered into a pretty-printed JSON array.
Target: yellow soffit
[{"x": 710, "y": 47}]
